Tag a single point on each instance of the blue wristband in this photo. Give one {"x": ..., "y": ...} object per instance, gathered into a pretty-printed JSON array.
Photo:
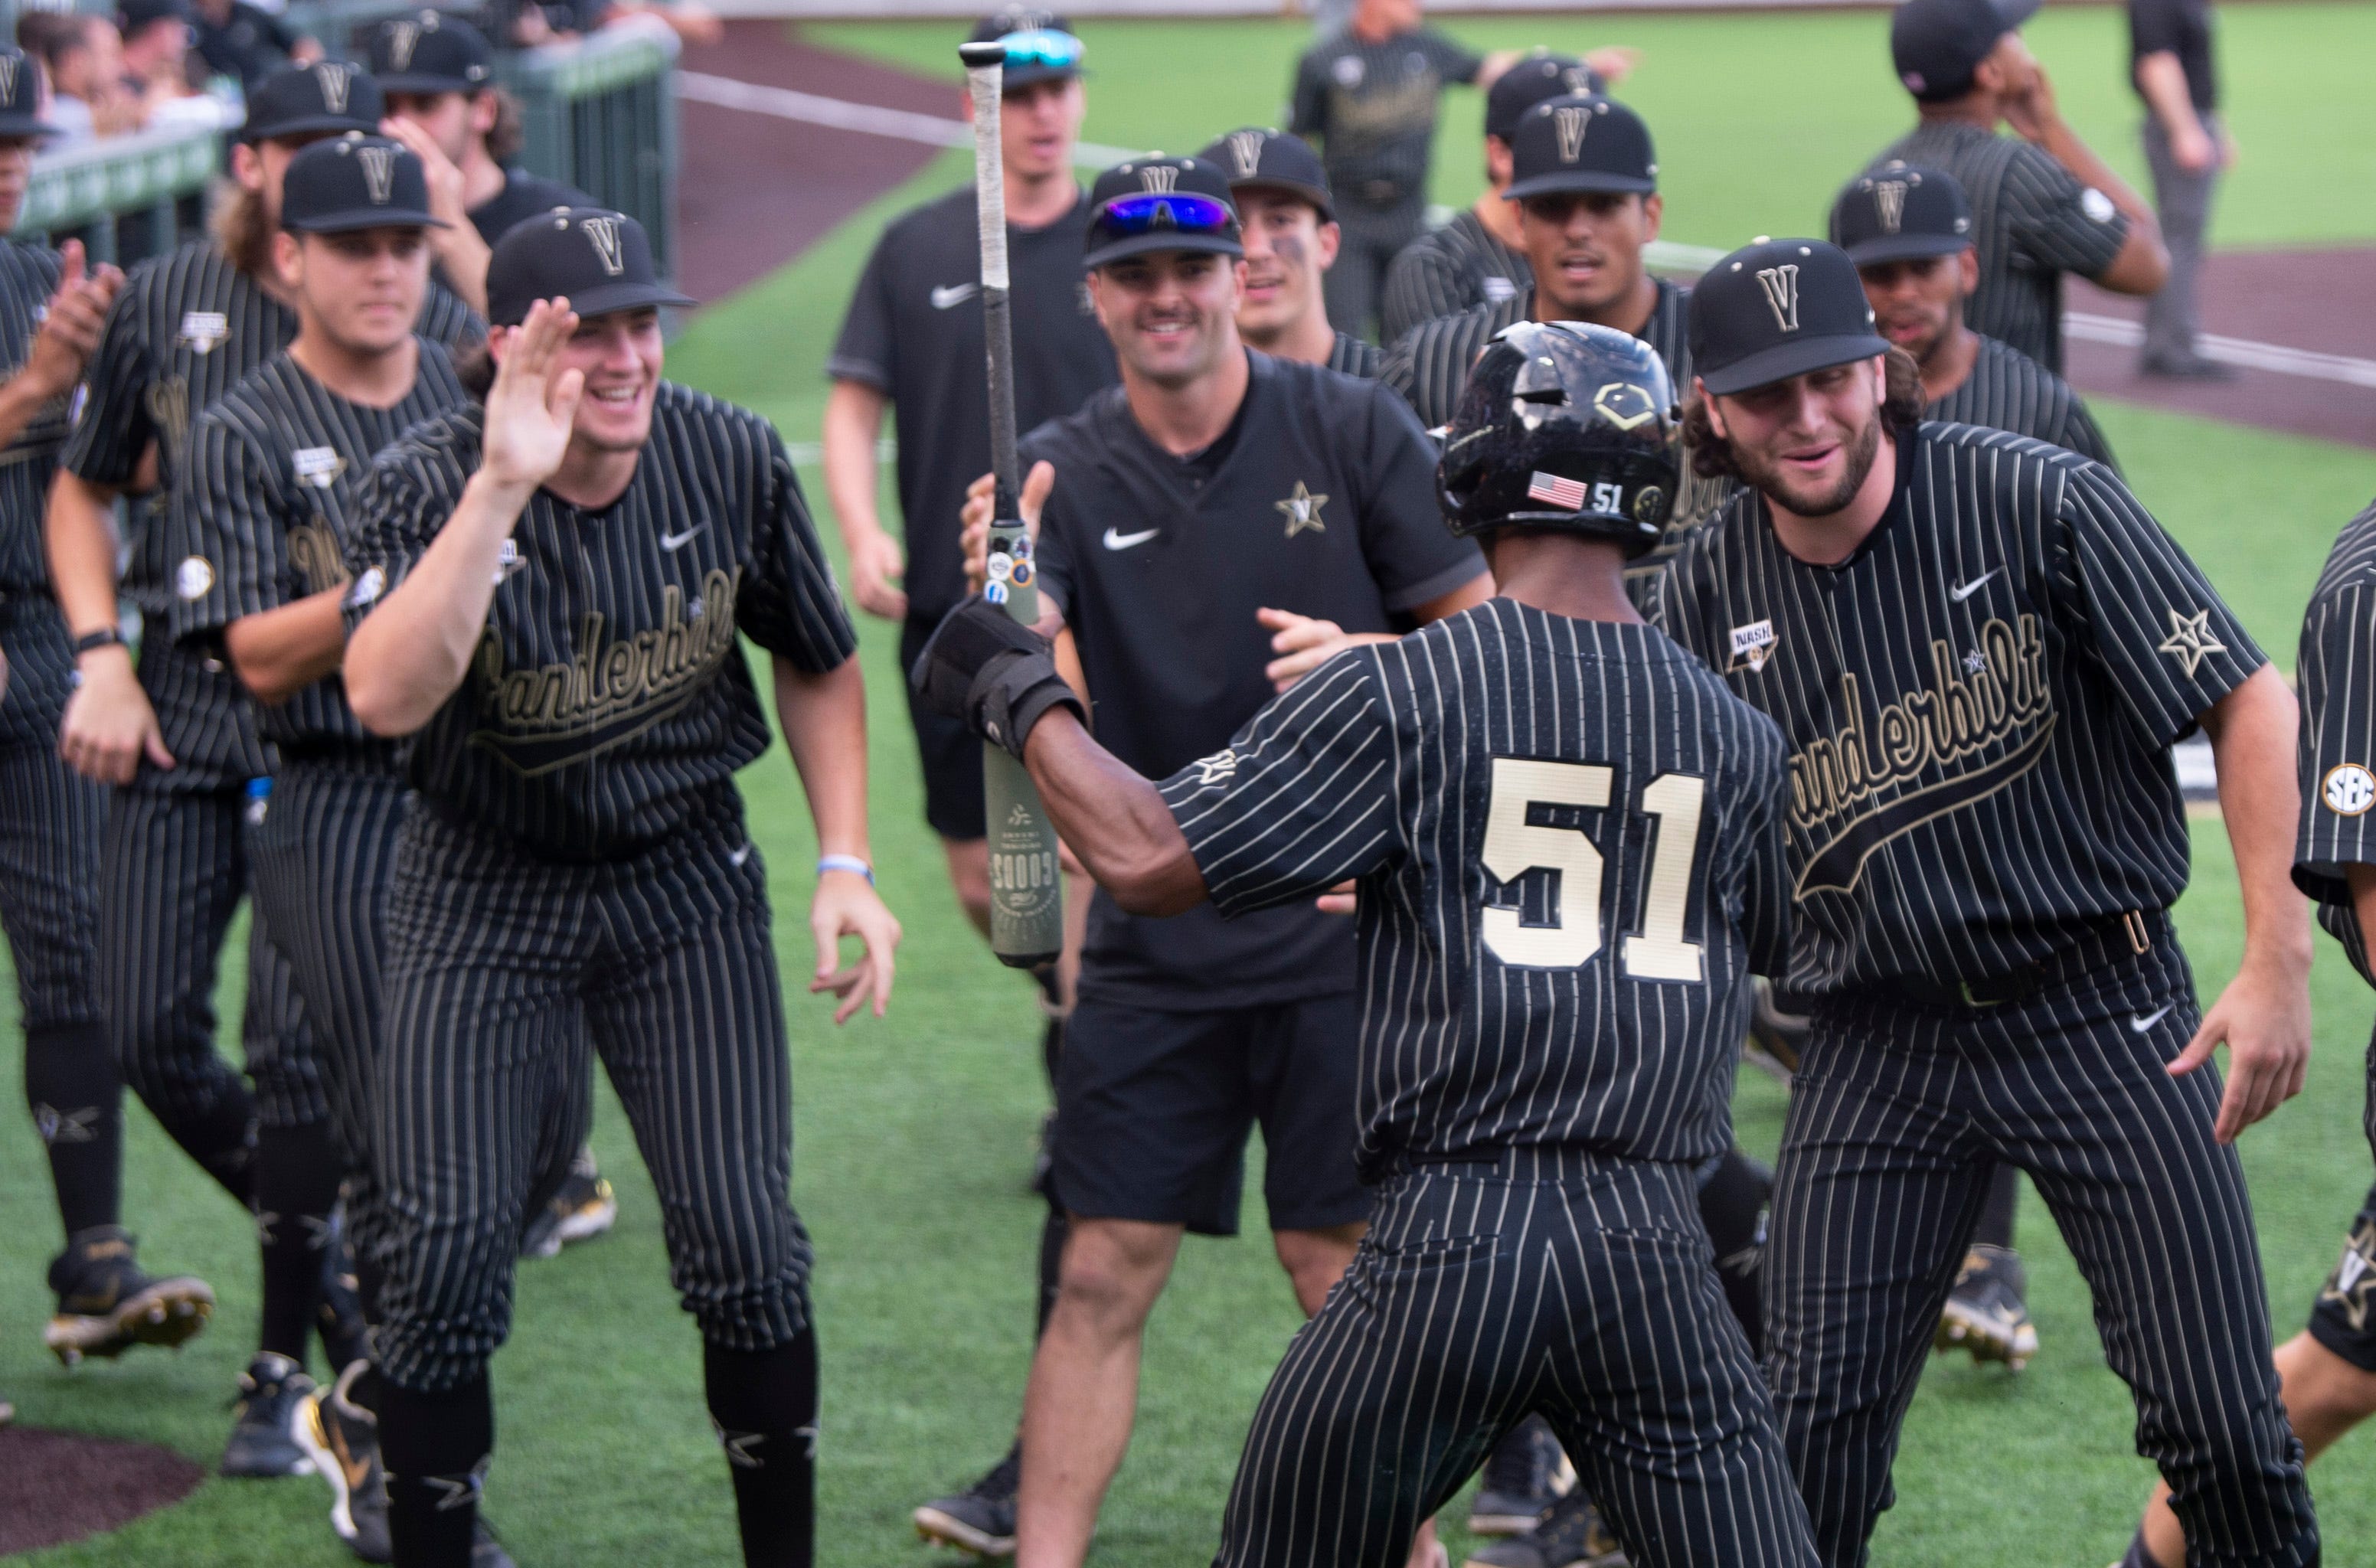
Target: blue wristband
[{"x": 845, "y": 862}]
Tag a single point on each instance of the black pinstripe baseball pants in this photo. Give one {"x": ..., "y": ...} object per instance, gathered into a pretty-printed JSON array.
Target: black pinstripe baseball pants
[
  {"x": 1578, "y": 1286},
  {"x": 503, "y": 971},
  {"x": 1897, "y": 1116}
]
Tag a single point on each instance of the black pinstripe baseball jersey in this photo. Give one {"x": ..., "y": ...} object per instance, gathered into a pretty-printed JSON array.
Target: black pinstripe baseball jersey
[
  {"x": 1569, "y": 840},
  {"x": 1455, "y": 268},
  {"x": 1351, "y": 356},
  {"x": 185, "y": 328},
  {"x": 610, "y": 698},
  {"x": 2336, "y": 667},
  {"x": 2008, "y": 390},
  {"x": 29, "y": 275},
  {"x": 2031, "y": 222},
  {"x": 1979, "y": 702},
  {"x": 267, "y": 490}
]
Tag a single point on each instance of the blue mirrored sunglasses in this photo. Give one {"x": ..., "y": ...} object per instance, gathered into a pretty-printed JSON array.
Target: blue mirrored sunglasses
[
  {"x": 1165, "y": 209},
  {"x": 1042, "y": 46}
]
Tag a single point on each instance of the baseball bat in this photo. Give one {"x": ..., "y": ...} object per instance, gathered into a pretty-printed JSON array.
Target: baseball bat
[{"x": 1026, "y": 889}]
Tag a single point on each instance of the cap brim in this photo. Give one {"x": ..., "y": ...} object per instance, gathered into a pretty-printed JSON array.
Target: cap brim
[
  {"x": 1147, "y": 244},
  {"x": 1296, "y": 188},
  {"x": 307, "y": 124},
  {"x": 1784, "y": 360},
  {"x": 1581, "y": 179},
  {"x": 25, "y": 125},
  {"x": 415, "y": 83},
  {"x": 613, "y": 298},
  {"x": 355, "y": 219},
  {"x": 1905, "y": 247}
]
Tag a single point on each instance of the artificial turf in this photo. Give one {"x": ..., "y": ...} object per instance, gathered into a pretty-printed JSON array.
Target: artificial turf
[{"x": 914, "y": 1134}]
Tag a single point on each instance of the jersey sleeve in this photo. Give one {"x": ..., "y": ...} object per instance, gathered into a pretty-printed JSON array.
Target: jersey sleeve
[
  {"x": 1454, "y": 62},
  {"x": 2337, "y": 757},
  {"x": 2169, "y": 645},
  {"x": 397, "y": 512},
  {"x": 1422, "y": 284},
  {"x": 2156, "y": 26},
  {"x": 791, "y": 606},
  {"x": 224, "y": 515},
  {"x": 1765, "y": 893},
  {"x": 2058, "y": 224},
  {"x": 111, "y": 425},
  {"x": 867, "y": 350},
  {"x": 1410, "y": 553},
  {"x": 1300, "y": 798},
  {"x": 2079, "y": 433}
]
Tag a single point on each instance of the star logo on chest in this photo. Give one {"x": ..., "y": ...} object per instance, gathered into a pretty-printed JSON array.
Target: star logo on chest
[
  {"x": 2191, "y": 640},
  {"x": 1302, "y": 511}
]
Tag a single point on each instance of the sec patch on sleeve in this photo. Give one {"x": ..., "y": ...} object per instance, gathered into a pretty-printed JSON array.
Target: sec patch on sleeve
[{"x": 2348, "y": 790}]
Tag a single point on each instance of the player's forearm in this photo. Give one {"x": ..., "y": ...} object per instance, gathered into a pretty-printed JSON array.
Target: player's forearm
[
  {"x": 2252, "y": 732},
  {"x": 2163, "y": 81},
  {"x": 79, "y": 534},
  {"x": 279, "y": 652},
  {"x": 825, "y": 728},
  {"x": 409, "y": 656},
  {"x": 1113, "y": 819},
  {"x": 854, "y": 423}
]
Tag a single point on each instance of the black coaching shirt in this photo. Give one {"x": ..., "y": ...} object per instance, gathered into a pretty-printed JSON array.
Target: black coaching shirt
[
  {"x": 2031, "y": 223},
  {"x": 609, "y": 701},
  {"x": 914, "y": 333},
  {"x": 2182, "y": 28},
  {"x": 1568, "y": 837},
  {"x": 524, "y": 197},
  {"x": 1455, "y": 268},
  {"x": 1371, "y": 107},
  {"x": 1979, "y": 704},
  {"x": 2336, "y": 667},
  {"x": 187, "y": 328},
  {"x": 267, "y": 490},
  {"x": 2008, "y": 390},
  {"x": 1321, "y": 502}
]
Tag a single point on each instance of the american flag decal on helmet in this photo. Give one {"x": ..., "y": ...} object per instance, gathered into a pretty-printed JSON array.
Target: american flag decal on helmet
[{"x": 1567, "y": 493}]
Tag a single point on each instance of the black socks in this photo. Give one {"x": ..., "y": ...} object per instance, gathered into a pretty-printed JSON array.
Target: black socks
[
  {"x": 297, "y": 1171},
  {"x": 764, "y": 1406},
  {"x": 78, "y": 1105},
  {"x": 436, "y": 1448}
]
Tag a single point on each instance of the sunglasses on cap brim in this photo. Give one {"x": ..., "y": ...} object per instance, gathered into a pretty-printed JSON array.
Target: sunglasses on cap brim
[
  {"x": 1147, "y": 213},
  {"x": 1042, "y": 46}
]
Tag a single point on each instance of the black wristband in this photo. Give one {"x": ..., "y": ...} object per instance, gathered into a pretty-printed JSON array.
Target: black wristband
[{"x": 106, "y": 636}]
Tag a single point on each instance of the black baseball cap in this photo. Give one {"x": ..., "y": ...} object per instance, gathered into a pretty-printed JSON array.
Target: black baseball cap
[
  {"x": 1898, "y": 211},
  {"x": 1275, "y": 161},
  {"x": 1776, "y": 309},
  {"x": 132, "y": 16},
  {"x": 428, "y": 52},
  {"x": 20, "y": 91},
  {"x": 1581, "y": 142},
  {"x": 600, "y": 259},
  {"x": 1937, "y": 44},
  {"x": 1160, "y": 204},
  {"x": 329, "y": 96},
  {"x": 1537, "y": 76},
  {"x": 1040, "y": 45},
  {"x": 355, "y": 182}
]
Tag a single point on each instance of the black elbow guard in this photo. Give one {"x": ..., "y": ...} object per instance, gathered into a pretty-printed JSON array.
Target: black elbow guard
[{"x": 997, "y": 676}]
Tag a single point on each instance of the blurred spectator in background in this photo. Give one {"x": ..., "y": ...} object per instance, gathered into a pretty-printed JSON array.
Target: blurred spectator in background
[
  {"x": 82, "y": 59},
  {"x": 156, "y": 65},
  {"x": 558, "y": 21},
  {"x": 2187, "y": 145},
  {"x": 244, "y": 43}
]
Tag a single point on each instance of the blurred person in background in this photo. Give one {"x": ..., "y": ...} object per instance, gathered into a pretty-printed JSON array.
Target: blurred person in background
[
  {"x": 2188, "y": 148},
  {"x": 245, "y": 42}
]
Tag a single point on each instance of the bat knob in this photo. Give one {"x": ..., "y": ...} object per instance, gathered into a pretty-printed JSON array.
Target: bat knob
[{"x": 990, "y": 51}]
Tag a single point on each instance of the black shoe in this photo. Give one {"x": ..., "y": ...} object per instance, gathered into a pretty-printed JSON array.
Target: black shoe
[
  {"x": 1986, "y": 1313},
  {"x": 1523, "y": 1477},
  {"x": 1570, "y": 1535},
  {"x": 342, "y": 1439},
  {"x": 340, "y": 1319},
  {"x": 981, "y": 1518},
  {"x": 2193, "y": 367},
  {"x": 486, "y": 1552},
  {"x": 581, "y": 1210},
  {"x": 264, "y": 1436},
  {"x": 106, "y": 1305}
]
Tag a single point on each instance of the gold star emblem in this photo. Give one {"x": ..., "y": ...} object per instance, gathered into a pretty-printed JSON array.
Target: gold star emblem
[
  {"x": 1302, "y": 511},
  {"x": 2190, "y": 640}
]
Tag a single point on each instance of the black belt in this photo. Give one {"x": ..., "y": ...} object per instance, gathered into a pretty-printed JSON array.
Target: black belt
[{"x": 2113, "y": 938}]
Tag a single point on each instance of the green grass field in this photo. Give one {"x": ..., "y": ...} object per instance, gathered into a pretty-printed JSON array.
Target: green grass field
[{"x": 914, "y": 1134}]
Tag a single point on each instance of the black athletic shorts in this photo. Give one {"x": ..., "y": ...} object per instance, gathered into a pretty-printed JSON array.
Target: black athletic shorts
[
  {"x": 1153, "y": 1108},
  {"x": 951, "y": 753},
  {"x": 2344, "y": 1320}
]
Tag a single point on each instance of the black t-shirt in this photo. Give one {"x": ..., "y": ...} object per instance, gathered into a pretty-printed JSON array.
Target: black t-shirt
[
  {"x": 268, "y": 491},
  {"x": 1979, "y": 702},
  {"x": 1324, "y": 505},
  {"x": 609, "y": 703},
  {"x": 2336, "y": 666},
  {"x": 248, "y": 46},
  {"x": 1371, "y": 107},
  {"x": 2183, "y": 29},
  {"x": 2008, "y": 390},
  {"x": 524, "y": 196},
  {"x": 1569, "y": 840},
  {"x": 914, "y": 333}
]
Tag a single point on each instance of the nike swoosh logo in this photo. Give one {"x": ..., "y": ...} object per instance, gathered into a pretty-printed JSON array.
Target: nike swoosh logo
[
  {"x": 1125, "y": 541},
  {"x": 2141, "y": 1022},
  {"x": 679, "y": 541},
  {"x": 953, "y": 294},
  {"x": 736, "y": 857},
  {"x": 1963, "y": 591}
]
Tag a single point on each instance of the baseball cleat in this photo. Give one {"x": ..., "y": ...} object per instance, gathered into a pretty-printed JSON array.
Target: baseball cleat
[
  {"x": 263, "y": 1435},
  {"x": 486, "y": 1552},
  {"x": 1985, "y": 1313},
  {"x": 342, "y": 1440},
  {"x": 106, "y": 1305},
  {"x": 1569, "y": 1535},
  {"x": 1525, "y": 1474},
  {"x": 979, "y": 1519},
  {"x": 581, "y": 1210}
]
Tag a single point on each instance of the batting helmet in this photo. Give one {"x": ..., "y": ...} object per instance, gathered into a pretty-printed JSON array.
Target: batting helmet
[{"x": 1565, "y": 426}]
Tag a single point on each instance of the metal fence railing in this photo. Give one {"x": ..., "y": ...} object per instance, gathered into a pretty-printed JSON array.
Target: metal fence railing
[
  {"x": 600, "y": 113},
  {"x": 126, "y": 197}
]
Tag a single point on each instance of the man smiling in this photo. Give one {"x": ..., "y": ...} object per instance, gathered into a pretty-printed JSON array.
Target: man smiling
[{"x": 1287, "y": 224}]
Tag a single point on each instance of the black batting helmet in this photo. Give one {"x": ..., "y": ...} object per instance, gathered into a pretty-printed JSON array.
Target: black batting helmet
[{"x": 1567, "y": 426}]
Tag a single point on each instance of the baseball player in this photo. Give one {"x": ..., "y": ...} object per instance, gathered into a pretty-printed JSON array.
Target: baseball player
[
  {"x": 575, "y": 875},
  {"x": 51, "y": 308},
  {"x": 2043, "y": 203},
  {"x": 1289, "y": 226},
  {"x": 268, "y": 486},
  {"x": 2328, "y": 1371},
  {"x": 1569, "y": 848},
  {"x": 1479, "y": 257},
  {"x": 1981, "y": 648}
]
